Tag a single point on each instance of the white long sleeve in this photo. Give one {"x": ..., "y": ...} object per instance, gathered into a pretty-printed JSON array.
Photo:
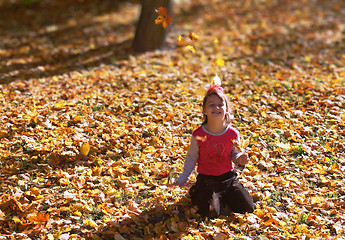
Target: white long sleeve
[{"x": 190, "y": 163}]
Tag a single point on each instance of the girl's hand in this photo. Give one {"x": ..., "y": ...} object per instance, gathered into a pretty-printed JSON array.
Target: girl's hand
[
  {"x": 243, "y": 159},
  {"x": 173, "y": 183}
]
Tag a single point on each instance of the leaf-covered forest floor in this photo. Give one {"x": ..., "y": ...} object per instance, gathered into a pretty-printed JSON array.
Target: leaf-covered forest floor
[{"x": 70, "y": 79}]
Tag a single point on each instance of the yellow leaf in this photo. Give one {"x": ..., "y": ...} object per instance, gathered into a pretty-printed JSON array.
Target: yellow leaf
[
  {"x": 77, "y": 213},
  {"x": 193, "y": 36},
  {"x": 35, "y": 191},
  {"x": 259, "y": 212},
  {"x": 89, "y": 222},
  {"x": 179, "y": 38},
  {"x": 39, "y": 197},
  {"x": 189, "y": 237},
  {"x": 180, "y": 41},
  {"x": 307, "y": 58},
  {"x": 64, "y": 181},
  {"x": 96, "y": 171},
  {"x": 16, "y": 219},
  {"x": 191, "y": 48},
  {"x": 58, "y": 106},
  {"x": 220, "y": 62},
  {"x": 84, "y": 149},
  {"x": 316, "y": 200}
]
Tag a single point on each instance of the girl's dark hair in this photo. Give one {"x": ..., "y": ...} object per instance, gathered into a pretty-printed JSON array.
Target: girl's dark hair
[{"x": 224, "y": 99}]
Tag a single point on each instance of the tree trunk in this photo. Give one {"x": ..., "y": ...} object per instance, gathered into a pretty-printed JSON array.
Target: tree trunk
[{"x": 148, "y": 35}]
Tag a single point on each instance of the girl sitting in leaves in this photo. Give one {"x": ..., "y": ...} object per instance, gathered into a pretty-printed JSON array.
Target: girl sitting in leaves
[{"x": 212, "y": 149}]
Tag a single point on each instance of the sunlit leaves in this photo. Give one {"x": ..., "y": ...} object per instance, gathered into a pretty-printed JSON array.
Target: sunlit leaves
[
  {"x": 89, "y": 153},
  {"x": 188, "y": 43}
]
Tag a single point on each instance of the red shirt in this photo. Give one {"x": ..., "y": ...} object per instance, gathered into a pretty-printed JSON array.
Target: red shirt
[{"x": 215, "y": 151}]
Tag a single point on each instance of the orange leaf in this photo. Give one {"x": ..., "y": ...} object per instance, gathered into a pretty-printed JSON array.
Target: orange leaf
[
  {"x": 180, "y": 41},
  {"x": 163, "y": 17},
  {"x": 39, "y": 217}
]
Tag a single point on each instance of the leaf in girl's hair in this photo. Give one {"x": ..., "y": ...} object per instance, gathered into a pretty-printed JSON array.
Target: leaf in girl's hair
[
  {"x": 163, "y": 17},
  {"x": 84, "y": 149},
  {"x": 216, "y": 80}
]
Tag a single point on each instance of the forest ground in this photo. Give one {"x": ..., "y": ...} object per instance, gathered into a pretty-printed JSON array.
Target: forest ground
[{"x": 91, "y": 134}]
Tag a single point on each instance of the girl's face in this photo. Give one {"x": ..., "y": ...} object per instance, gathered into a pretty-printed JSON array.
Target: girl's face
[{"x": 215, "y": 107}]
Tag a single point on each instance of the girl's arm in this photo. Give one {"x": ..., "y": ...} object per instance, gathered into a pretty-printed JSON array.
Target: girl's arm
[{"x": 190, "y": 163}]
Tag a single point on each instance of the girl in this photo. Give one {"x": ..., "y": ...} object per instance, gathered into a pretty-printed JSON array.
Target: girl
[{"x": 213, "y": 150}]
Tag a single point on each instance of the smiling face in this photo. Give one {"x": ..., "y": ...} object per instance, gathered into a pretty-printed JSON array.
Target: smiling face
[{"x": 215, "y": 108}]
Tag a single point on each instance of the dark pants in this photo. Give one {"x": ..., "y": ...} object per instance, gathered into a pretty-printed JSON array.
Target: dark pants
[{"x": 211, "y": 193}]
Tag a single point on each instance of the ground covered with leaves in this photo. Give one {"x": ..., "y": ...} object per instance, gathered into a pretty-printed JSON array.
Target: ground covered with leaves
[{"x": 91, "y": 134}]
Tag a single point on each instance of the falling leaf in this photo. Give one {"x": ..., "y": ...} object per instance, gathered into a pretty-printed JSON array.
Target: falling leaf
[
  {"x": 180, "y": 41},
  {"x": 163, "y": 17},
  {"x": 191, "y": 48},
  {"x": 220, "y": 62},
  {"x": 193, "y": 36},
  {"x": 84, "y": 149}
]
